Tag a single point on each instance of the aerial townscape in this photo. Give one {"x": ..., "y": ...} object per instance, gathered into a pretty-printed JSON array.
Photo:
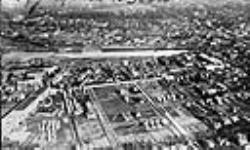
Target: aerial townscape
[{"x": 125, "y": 74}]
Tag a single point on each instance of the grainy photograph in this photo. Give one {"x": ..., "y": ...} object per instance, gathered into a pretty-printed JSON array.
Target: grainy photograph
[{"x": 125, "y": 74}]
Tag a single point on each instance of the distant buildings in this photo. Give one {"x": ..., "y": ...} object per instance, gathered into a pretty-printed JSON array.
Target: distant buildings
[{"x": 126, "y": 1}]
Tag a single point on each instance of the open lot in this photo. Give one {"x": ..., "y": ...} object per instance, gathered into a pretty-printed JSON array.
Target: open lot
[
  {"x": 115, "y": 106},
  {"x": 90, "y": 131},
  {"x": 166, "y": 96},
  {"x": 128, "y": 118}
]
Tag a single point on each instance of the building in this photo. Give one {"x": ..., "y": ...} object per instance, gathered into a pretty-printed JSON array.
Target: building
[{"x": 124, "y": 1}]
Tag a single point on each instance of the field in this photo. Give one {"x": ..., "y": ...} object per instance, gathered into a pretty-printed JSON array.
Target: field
[
  {"x": 114, "y": 105},
  {"x": 129, "y": 116}
]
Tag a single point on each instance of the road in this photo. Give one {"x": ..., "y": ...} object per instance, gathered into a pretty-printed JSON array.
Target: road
[
  {"x": 120, "y": 82},
  {"x": 104, "y": 121}
]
